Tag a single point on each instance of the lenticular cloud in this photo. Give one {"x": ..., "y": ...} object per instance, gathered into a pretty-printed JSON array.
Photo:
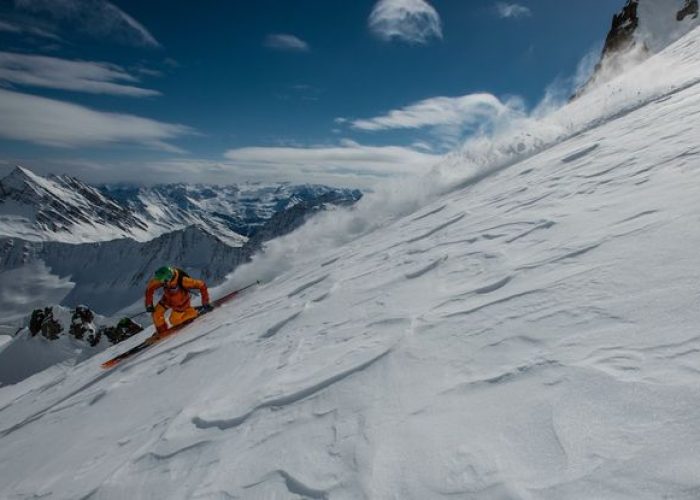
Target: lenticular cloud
[{"x": 412, "y": 21}]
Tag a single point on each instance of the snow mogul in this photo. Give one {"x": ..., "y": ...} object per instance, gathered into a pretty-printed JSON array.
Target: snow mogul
[{"x": 176, "y": 285}]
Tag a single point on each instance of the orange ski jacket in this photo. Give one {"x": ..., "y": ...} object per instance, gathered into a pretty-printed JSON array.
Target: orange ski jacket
[{"x": 176, "y": 292}]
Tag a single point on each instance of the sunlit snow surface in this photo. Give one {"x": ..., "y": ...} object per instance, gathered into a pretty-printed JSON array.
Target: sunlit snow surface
[{"x": 531, "y": 335}]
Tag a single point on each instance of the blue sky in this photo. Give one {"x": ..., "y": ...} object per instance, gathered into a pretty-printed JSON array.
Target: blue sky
[{"x": 335, "y": 91}]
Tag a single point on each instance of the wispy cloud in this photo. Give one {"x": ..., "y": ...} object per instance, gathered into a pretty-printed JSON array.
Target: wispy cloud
[
  {"x": 61, "y": 124},
  {"x": 98, "y": 18},
  {"x": 465, "y": 111},
  {"x": 282, "y": 41},
  {"x": 81, "y": 76},
  {"x": 448, "y": 120},
  {"x": 22, "y": 29},
  {"x": 348, "y": 163},
  {"x": 512, "y": 10},
  {"x": 412, "y": 21}
]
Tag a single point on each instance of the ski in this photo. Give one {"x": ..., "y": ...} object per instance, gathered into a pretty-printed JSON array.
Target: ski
[{"x": 155, "y": 339}]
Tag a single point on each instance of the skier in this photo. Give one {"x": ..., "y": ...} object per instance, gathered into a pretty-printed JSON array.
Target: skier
[{"x": 176, "y": 285}]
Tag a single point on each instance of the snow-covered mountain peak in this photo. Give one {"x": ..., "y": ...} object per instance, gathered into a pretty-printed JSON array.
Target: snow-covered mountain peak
[
  {"x": 61, "y": 208},
  {"x": 19, "y": 179}
]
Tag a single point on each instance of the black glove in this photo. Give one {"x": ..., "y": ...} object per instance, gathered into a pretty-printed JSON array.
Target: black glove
[
  {"x": 150, "y": 309},
  {"x": 205, "y": 308}
]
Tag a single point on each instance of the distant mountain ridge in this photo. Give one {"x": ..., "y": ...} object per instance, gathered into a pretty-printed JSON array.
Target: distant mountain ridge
[
  {"x": 66, "y": 209},
  {"x": 233, "y": 213}
]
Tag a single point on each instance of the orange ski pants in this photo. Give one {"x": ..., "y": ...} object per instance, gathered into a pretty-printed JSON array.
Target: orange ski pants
[{"x": 176, "y": 317}]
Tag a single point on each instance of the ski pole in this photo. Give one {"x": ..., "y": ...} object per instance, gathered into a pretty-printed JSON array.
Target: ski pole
[
  {"x": 231, "y": 294},
  {"x": 138, "y": 314}
]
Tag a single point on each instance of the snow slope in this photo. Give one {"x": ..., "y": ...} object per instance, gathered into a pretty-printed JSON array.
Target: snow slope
[{"x": 531, "y": 334}]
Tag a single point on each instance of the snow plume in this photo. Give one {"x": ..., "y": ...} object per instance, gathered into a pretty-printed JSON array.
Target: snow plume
[
  {"x": 332, "y": 229},
  {"x": 484, "y": 154},
  {"x": 611, "y": 66},
  {"x": 658, "y": 26},
  {"x": 555, "y": 119}
]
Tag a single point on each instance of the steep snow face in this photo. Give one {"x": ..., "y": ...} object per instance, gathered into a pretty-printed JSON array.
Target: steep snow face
[{"x": 531, "y": 334}]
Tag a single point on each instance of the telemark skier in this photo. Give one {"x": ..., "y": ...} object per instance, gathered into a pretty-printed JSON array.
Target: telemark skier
[{"x": 176, "y": 285}]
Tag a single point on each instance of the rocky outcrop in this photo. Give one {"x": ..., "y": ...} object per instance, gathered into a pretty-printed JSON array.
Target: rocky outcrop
[
  {"x": 640, "y": 28},
  {"x": 689, "y": 9},
  {"x": 624, "y": 25}
]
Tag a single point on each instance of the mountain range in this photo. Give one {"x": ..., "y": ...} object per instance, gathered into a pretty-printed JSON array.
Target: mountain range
[{"x": 63, "y": 208}]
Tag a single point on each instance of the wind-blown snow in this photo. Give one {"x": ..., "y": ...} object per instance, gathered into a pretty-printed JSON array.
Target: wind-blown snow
[
  {"x": 530, "y": 332},
  {"x": 28, "y": 288},
  {"x": 658, "y": 26}
]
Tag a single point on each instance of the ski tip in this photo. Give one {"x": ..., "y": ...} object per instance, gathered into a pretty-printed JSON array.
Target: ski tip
[{"x": 108, "y": 364}]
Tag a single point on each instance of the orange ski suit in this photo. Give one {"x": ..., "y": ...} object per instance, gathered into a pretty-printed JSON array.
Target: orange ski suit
[{"x": 175, "y": 297}]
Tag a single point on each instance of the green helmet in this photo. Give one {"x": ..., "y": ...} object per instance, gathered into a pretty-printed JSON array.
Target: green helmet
[{"x": 164, "y": 274}]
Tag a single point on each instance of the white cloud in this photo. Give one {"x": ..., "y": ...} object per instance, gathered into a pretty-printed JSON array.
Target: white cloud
[
  {"x": 61, "y": 124},
  {"x": 281, "y": 41},
  {"x": 81, "y": 76},
  {"x": 413, "y": 21},
  {"x": 512, "y": 10},
  {"x": 98, "y": 18},
  {"x": 466, "y": 111},
  {"x": 348, "y": 163}
]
